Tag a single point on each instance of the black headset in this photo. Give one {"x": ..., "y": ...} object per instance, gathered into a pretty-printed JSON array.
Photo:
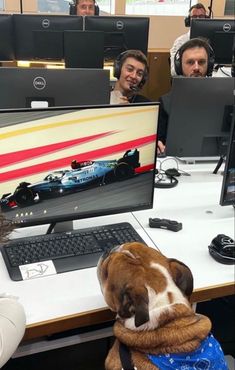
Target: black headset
[
  {"x": 119, "y": 63},
  {"x": 171, "y": 174},
  {"x": 187, "y": 45},
  {"x": 73, "y": 8}
]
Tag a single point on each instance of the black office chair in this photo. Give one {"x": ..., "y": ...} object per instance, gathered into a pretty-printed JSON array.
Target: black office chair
[{"x": 72, "y": 8}]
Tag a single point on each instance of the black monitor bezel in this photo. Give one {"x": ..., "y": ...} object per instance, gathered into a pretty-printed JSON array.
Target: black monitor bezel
[
  {"x": 72, "y": 217},
  {"x": 231, "y": 149}
]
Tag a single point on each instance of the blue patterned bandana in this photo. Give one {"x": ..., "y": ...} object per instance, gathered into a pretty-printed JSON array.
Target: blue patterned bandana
[{"x": 209, "y": 356}]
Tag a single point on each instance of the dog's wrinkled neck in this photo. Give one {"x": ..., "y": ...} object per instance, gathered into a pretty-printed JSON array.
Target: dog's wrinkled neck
[{"x": 173, "y": 336}]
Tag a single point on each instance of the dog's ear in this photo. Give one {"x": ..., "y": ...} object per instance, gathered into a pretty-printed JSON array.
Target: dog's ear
[
  {"x": 182, "y": 276},
  {"x": 134, "y": 302}
]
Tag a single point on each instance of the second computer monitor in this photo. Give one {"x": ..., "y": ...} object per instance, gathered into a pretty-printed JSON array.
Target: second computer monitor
[
  {"x": 200, "y": 116},
  {"x": 84, "y": 49},
  {"x": 41, "y": 87},
  {"x": 41, "y": 36},
  {"x": 220, "y": 33},
  {"x": 121, "y": 33}
]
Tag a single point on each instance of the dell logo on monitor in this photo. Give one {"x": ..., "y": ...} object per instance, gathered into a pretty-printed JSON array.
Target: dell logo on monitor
[
  {"x": 45, "y": 23},
  {"x": 227, "y": 27},
  {"x": 119, "y": 25},
  {"x": 39, "y": 83}
]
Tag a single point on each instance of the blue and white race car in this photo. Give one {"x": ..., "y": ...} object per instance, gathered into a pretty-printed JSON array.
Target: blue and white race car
[{"x": 82, "y": 175}]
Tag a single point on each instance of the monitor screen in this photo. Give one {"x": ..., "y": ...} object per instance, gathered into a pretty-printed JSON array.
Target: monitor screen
[
  {"x": 69, "y": 163},
  {"x": 220, "y": 32},
  {"x": 42, "y": 87},
  {"x": 121, "y": 33},
  {"x": 41, "y": 36},
  {"x": 228, "y": 187},
  {"x": 200, "y": 116},
  {"x": 6, "y": 37},
  {"x": 84, "y": 49}
]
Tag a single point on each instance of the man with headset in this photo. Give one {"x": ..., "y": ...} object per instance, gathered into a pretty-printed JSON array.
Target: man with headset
[
  {"x": 86, "y": 7},
  {"x": 195, "y": 58},
  {"x": 131, "y": 71},
  {"x": 196, "y": 11}
]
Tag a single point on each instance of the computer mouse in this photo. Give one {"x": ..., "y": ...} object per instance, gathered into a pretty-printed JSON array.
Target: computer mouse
[{"x": 222, "y": 249}]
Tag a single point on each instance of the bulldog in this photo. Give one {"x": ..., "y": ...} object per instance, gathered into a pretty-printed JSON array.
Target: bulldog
[{"x": 156, "y": 327}]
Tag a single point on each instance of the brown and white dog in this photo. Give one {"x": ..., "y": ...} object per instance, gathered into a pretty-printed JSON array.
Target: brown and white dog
[{"x": 149, "y": 292}]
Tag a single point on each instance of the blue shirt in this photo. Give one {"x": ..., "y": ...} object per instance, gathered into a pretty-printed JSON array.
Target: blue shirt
[{"x": 209, "y": 356}]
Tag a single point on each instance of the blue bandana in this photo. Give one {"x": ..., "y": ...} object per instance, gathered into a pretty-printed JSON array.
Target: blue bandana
[{"x": 209, "y": 356}]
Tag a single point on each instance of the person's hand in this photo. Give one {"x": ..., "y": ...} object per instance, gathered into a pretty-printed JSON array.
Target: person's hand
[
  {"x": 124, "y": 100},
  {"x": 160, "y": 147}
]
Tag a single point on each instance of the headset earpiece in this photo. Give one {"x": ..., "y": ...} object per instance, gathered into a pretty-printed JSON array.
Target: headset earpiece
[
  {"x": 187, "y": 21},
  {"x": 211, "y": 61},
  {"x": 118, "y": 63},
  {"x": 166, "y": 185}
]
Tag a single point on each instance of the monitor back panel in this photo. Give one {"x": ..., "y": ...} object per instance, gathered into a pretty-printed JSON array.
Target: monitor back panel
[
  {"x": 84, "y": 49},
  {"x": 200, "y": 116},
  {"x": 6, "y": 37},
  {"x": 20, "y": 87},
  {"x": 32, "y": 30}
]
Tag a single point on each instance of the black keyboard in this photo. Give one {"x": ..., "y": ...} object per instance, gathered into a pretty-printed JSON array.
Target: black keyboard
[{"x": 69, "y": 251}]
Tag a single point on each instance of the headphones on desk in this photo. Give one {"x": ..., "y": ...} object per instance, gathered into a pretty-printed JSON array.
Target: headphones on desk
[
  {"x": 136, "y": 54},
  {"x": 73, "y": 8},
  {"x": 196, "y": 42},
  {"x": 166, "y": 179}
]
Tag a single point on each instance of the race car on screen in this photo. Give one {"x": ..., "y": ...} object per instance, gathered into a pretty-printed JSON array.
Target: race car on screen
[{"x": 81, "y": 176}]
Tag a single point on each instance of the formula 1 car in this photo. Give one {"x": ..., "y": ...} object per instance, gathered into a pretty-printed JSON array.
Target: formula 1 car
[{"x": 81, "y": 176}]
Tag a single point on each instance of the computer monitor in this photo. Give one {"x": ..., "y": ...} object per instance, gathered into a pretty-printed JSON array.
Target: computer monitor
[
  {"x": 200, "y": 116},
  {"x": 121, "y": 33},
  {"x": 84, "y": 49},
  {"x": 227, "y": 196},
  {"x": 70, "y": 163},
  {"x": 220, "y": 32},
  {"x": 6, "y": 37},
  {"x": 41, "y": 36},
  {"x": 42, "y": 87}
]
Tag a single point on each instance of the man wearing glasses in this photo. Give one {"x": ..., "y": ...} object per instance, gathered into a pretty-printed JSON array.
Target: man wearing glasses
[{"x": 196, "y": 11}]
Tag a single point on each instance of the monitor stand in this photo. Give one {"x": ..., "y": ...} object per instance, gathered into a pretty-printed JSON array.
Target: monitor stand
[
  {"x": 60, "y": 227},
  {"x": 220, "y": 161}
]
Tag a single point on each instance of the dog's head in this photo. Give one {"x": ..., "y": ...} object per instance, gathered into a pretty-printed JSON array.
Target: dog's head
[{"x": 137, "y": 280}]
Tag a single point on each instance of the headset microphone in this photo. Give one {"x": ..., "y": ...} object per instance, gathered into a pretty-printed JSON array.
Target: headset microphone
[{"x": 134, "y": 88}]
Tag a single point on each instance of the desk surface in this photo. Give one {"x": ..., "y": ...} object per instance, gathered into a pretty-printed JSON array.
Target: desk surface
[{"x": 61, "y": 302}]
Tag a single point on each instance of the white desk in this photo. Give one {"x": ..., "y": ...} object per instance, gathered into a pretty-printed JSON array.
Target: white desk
[
  {"x": 195, "y": 203},
  {"x": 69, "y": 300}
]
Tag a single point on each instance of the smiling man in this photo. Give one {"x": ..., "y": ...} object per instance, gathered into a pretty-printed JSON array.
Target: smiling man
[{"x": 131, "y": 71}]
